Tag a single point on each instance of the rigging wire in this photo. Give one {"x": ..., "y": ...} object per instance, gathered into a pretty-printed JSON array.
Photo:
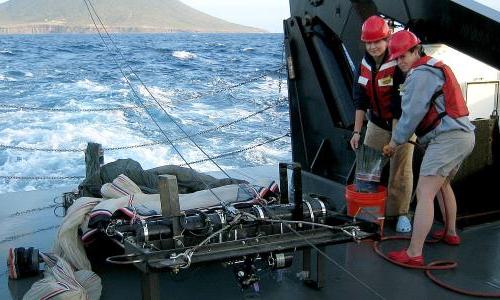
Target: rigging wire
[
  {"x": 241, "y": 150},
  {"x": 89, "y": 5},
  {"x": 154, "y": 98},
  {"x": 58, "y": 178},
  {"x": 189, "y": 137},
  {"x": 365, "y": 285},
  {"x": 13, "y": 108},
  {"x": 323, "y": 253},
  {"x": 21, "y": 235},
  {"x": 208, "y": 157},
  {"x": 53, "y": 109},
  {"x": 320, "y": 252},
  {"x": 203, "y": 132},
  {"x": 88, "y": 2}
]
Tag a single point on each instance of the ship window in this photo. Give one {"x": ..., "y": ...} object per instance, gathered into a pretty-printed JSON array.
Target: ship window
[{"x": 479, "y": 81}]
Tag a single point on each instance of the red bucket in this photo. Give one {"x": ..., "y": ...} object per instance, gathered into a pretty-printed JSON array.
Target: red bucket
[{"x": 356, "y": 201}]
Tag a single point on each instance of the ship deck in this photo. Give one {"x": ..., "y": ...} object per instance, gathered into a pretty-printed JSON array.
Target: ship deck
[{"x": 27, "y": 220}]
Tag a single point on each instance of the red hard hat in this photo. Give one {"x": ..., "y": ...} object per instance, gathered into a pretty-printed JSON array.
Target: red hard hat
[
  {"x": 401, "y": 42},
  {"x": 374, "y": 28}
]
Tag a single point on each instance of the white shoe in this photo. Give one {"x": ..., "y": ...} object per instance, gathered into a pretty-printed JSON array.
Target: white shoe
[{"x": 404, "y": 224}]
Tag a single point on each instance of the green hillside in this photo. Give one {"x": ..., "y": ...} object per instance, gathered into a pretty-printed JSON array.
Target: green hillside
[{"x": 46, "y": 16}]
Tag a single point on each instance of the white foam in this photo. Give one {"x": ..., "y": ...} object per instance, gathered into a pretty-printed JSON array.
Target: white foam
[
  {"x": 6, "y": 78},
  {"x": 270, "y": 84},
  {"x": 200, "y": 106},
  {"x": 124, "y": 92},
  {"x": 63, "y": 130},
  {"x": 266, "y": 154},
  {"x": 183, "y": 55},
  {"x": 92, "y": 86},
  {"x": 164, "y": 96}
]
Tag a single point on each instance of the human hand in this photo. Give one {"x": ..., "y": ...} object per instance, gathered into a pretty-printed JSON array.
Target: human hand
[
  {"x": 389, "y": 149},
  {"x": 355, "y": 140}
]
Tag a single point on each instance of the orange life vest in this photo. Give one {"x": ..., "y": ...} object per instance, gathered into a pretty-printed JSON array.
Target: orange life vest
[
  {"x": 454, "y": 102},
  {"x": 379, "y": 89}
]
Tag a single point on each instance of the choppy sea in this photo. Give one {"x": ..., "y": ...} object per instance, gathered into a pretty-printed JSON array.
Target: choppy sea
[{"x": 58, "y": 92}]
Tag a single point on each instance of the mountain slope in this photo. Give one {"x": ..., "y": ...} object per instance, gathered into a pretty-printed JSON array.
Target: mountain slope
[{"x": 28, "y": 16}]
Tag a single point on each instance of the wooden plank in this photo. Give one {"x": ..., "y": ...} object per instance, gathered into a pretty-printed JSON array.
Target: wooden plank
[
  {"x": 169, "y": 199},
  {"x": 94, "y": 158}
]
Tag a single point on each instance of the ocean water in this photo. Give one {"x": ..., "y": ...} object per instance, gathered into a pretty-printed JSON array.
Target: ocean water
[{"x": 194, "y": 84}]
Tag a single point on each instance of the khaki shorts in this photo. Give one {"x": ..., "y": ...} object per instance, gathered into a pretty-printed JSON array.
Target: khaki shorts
[{"x": 446, "y": 152}]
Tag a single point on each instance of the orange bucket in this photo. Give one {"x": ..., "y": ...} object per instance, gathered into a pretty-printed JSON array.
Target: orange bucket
[{"x": 356, "y": 201}]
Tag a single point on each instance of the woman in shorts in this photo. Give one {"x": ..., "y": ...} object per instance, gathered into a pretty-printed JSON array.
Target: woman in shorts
[{"x": 435, "y": 110}]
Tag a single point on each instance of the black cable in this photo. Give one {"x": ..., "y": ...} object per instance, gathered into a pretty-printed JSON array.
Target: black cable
[
  {"x": 222, "y": 203},
  {"x": 156, "y": 101},
  {"x": 323, "y": 253},
  {"x": 293, "y": 230}
]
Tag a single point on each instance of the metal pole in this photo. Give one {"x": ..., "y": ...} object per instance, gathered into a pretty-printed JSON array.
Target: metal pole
[{"x": 283, "y": 183}]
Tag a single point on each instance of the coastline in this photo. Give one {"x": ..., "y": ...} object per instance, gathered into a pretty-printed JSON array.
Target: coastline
[{"x": 51, "y": 29}]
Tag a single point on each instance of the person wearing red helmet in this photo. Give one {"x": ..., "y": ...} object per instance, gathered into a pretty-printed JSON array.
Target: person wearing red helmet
[
  {"x": 375, "y": 92},
  {"x": 433, "y": 107}
]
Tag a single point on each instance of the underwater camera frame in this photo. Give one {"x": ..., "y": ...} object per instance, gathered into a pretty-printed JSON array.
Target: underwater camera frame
[{"x": 241, "y": 236}]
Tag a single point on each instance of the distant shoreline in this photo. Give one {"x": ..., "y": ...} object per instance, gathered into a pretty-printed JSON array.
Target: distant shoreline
[
  {"x": 119, "y": 16},
  {"x": 132, "y": 32},
  {"x": 51, "y": 29}
]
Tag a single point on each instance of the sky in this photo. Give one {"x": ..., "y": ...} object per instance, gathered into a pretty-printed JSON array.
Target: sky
[
  {"x": 265, "y": 14},
  {"x": 491, "y": 3}
]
